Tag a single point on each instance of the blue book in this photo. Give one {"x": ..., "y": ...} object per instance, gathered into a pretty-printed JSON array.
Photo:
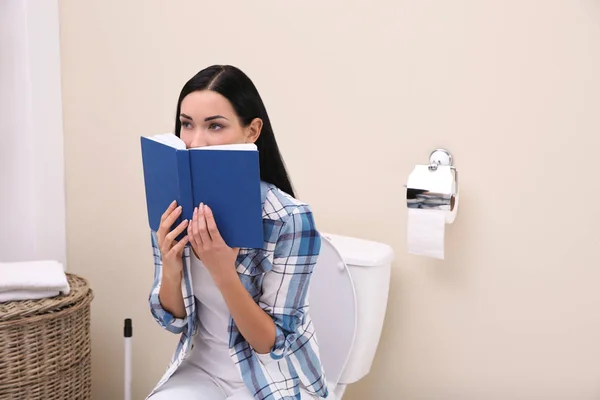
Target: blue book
[{"x": 224, "y": 177}]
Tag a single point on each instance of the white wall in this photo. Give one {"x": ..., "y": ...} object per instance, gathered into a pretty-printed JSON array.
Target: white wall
[{"x": 32, "y": 184}]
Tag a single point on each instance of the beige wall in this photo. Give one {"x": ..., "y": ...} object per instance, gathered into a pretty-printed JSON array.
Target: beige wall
[{"x": 359, "y": 94}]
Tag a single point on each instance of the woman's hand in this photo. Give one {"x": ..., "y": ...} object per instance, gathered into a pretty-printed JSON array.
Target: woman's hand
[
  {"x": 170, "y": 249},
  {"x": 209, "y": 246}
]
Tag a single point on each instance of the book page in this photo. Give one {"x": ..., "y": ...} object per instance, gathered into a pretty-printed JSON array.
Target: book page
[
  {"x": 168, "y": 139},
  {"x": 239, "y": 146}
]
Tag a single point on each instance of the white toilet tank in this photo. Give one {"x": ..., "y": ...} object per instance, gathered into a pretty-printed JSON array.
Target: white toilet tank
[{"x": 369, "y": 264}]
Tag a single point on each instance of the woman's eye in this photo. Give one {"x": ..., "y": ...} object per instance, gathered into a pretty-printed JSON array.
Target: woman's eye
[
  {"x": 214, "y": 127},
  {"x": 186, "y": 125}
]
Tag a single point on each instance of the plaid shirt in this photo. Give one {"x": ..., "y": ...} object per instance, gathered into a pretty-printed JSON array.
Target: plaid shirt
[{"x": 277, "y": 277}]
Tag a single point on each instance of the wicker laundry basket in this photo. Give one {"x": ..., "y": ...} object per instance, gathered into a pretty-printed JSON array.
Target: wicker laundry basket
[{"x": 45, "y": 346}]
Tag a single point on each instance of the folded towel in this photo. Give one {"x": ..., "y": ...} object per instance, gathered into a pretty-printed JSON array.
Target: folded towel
[
  {"x": 16, "y": 295},
  {"x": 33, "y": 279}
]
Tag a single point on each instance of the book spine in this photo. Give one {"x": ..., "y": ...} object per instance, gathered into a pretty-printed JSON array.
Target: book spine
[{"x": 186, "y": 200}]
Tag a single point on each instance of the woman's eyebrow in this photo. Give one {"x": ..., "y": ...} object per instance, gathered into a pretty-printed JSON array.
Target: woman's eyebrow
[
  {"x": 214, "y": 117},
  {"x": 186, "y": 116}
]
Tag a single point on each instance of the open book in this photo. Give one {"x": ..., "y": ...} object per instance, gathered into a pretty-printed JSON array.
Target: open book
[{"x": 224, "y": 177}]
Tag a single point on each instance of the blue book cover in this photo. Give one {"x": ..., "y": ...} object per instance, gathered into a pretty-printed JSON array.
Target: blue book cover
[{"x": 226, "y": 178}]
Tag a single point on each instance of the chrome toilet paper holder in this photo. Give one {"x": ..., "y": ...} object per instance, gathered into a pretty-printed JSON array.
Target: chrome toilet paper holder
[
  {"x": 442, "y": 157},
  {"x": 434, "y": 185},
  {"x": 432, "y": 203}
]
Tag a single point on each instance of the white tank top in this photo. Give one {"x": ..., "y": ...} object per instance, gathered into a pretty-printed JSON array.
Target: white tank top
[{"x": 211, "y": 344}]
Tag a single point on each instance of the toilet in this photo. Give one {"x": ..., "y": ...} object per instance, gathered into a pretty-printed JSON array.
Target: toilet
[{"x": 348, "y": 299}]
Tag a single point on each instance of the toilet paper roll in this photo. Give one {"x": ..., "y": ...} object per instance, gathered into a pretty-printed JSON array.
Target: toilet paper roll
[
  {"x": 432, "y": 201},
  {"x": 426, "y": 232}
]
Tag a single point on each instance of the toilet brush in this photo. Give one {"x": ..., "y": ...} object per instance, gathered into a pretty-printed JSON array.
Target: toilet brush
[{"x": 127, "y": 333}]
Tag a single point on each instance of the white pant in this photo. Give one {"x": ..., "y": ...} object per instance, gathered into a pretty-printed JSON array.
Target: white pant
[{"x": 192, "y": 383}]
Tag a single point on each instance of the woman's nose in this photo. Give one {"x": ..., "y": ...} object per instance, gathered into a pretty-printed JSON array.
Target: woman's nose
[{"x": 197, "y": 140}]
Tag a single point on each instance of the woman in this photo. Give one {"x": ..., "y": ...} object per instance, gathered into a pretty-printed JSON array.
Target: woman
[{"x": 242, "y": 313}]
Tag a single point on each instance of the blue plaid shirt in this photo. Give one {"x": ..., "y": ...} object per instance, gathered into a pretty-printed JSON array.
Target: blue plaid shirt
[{"x": 277, "y": 277}]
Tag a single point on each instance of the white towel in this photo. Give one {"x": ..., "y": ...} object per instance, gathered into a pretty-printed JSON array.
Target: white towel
[
  {"x": 16, "y": 295},
  {"x": 32, "y": 280}
]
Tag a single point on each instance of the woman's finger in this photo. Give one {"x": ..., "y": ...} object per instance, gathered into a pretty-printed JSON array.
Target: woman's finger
[
  {"x": 167, "y": 222},
  {"x": 172, "y": 217},
  {"x": 178, "y": 248},
  {"x": 203, "y": 229},
  {"x": 192, "y": 238},
  {"x": 190, "y": 234},
  {"x": 168, "y": 211},
  {"x": 196, "y": 230},
  {"x": 211, "y": 224},
  {"x": 174, "y": 233}
]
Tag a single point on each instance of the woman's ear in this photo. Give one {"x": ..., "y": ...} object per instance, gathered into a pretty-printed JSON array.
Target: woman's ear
[{"x": 253, "y": 130}]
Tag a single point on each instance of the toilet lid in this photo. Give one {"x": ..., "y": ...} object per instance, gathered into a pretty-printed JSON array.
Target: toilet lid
[{"x": 332, "y": 304}]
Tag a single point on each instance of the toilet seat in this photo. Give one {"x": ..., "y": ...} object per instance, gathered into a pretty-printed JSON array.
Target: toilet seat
[{"x": 332, "y": 302}]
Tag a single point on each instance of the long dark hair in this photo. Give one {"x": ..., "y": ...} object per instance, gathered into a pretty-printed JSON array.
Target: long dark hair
[{"x": 237, "y": 87}]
